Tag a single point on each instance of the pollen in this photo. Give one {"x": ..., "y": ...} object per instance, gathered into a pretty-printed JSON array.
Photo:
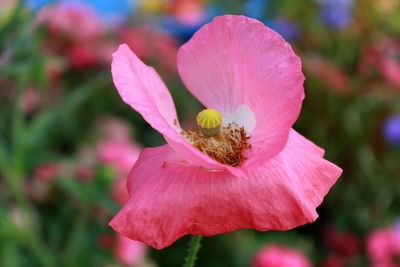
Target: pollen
[
  {"x": 209, "y": 121},
  {"x": 227, "y": 146}
]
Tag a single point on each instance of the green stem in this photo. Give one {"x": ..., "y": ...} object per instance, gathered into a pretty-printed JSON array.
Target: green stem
[{"x": 193, "y": 250}]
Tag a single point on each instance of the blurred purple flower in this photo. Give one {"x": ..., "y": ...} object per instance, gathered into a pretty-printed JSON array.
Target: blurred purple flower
[
  {"x": 256, "y": 8},
  {"x": 397, "y": 227},
  {"x": 337, "y": 14},
  {"x": 287, "y": 28},
  {"x": 111, "y": 12},
  {"x": 179, "y": 30},
  {"x": 391, "y": 130},
  {"x": 37, "y": 4}
]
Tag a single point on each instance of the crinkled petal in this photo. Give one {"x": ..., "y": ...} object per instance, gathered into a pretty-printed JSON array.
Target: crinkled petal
[
  {"x": 169, "y": 199},
  {"x": 236, "y": 61},
  {"x": 142, "y": 88}
]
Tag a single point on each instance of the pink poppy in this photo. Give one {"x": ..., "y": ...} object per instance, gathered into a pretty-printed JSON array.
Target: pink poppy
[
  {"x": 121, "y": 155},
  {"x": 30, "y": 101},
  {"x": 129, "y": 252},
  {"x": 256, "y": 173},
  {"x": 75, "y": 20},
  {"x": 345, "y": 243},
  {"x": 151, "y": 44},
  {"x": 120, "y": 152},
  {"x": 336, "y": 78},
  {"x": 84, "y": 173},
  {"x": 383, "y": 56},
  {"x": 335, "y": 260},
  {"x": 279, "y": 256},
  {"x": 190, "y": 12},
  {"x": 47, "y": 172},
  {"x": 390, "y": 69},
  {"x": 383, "y": 247}
]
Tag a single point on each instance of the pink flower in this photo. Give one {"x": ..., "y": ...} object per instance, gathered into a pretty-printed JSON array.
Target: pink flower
[
  {"x": 333, "y": 76},
  {"x": 190, "y": 12},
  {"x": 120, "y": 152},
  {"x": 383, "y": 246},
  {"x": 129, "y": 252},
  {"x": 74, "y": 32},
  {"x": 390, "y": 69},
  {"x": 121, "y": 155},
  {"x": 151, "y": 44},
  {"x": 82, "y": 56},
  {"x": 346, "y": 243},
  {"x": 335, "y": 260},
  {"x": 47, "y": 171},
  {"x": 279, "y": 256},
  {"x": 114, "y": 129},
  {"x": 30, "y": 100},
  {"x": 383, "y": 56},
  {"x": 75, "y": 20},
  {"x": 260, "y": 173},
  {"x": 84, "y": 173}
]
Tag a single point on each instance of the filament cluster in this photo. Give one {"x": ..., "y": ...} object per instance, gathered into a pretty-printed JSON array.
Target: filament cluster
[{"x": 227, "y": 146}]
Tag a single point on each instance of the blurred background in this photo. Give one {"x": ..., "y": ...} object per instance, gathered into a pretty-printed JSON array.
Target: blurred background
[{"x": 67, "y": 141}]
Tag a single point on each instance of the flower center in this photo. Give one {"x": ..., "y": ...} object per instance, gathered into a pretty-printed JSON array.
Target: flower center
[
  {"x": 224, "y": 143},
  {"x": 209, "y": 121}
]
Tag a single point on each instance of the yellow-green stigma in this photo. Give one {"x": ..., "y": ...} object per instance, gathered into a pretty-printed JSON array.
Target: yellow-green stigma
[{"x": 209, "y": 121}]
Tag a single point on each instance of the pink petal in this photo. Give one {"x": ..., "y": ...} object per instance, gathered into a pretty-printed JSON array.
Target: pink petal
[
  {"x": 142, "y": 88},
  {"x": 169, "y": 199},
  {"x": 235, "y": 61}
]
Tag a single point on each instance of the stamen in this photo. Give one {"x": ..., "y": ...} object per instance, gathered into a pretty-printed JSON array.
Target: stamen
[{"x": 226, "y": 146}]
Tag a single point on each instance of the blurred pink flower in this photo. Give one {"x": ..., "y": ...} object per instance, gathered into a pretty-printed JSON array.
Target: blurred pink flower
[
  {"x": 119, "y": 151},
  {"x": 112, "y": 128},
  {"x": 391, "y": 70},
  {"x": 389, "y": 64},
  {"x": 383, "y": 56},
  {"x": 336, "y": 78},
  {"x": 251, "y": 75},
  {"x": 106, "y": 241},
  {"x": 89, "y": 54},
  {"x": 47, "y": 171},
  {"x": 345, "y": 243},
  {"x": 383, "y": 247},
  {"x": 30, "y": 100},
  {"x": 151, "y": 44},
  {"x": 334, "y": 260},
  {"x": 75, "y": 32},
  {"x": 279, "y": 256},
  {"x": 82, "y": 56},
  {"x": 84, "y": 173},
  {"x": 129, "y": 252},
  {"x": 74, "y": 20},
  {"x": 190, "y": 12},
  {"x": 119, "y": 154},
  {"x": 40, "y": 187}
]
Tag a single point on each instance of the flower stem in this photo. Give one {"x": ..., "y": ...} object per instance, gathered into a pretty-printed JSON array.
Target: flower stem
[{"x": 193, "y": 250}]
